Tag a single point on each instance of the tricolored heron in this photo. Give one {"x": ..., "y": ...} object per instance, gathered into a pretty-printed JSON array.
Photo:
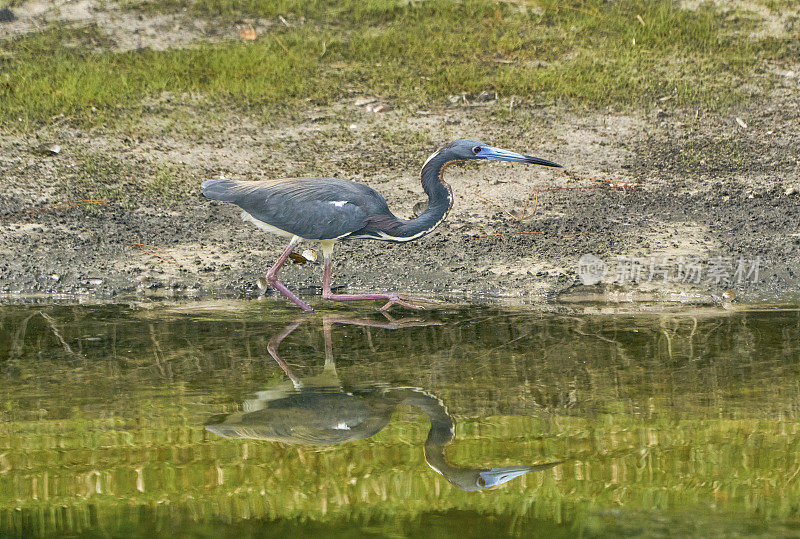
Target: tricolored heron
[
  {"x": 319, "y": 411},
  {"x": 328, "y": 210}
]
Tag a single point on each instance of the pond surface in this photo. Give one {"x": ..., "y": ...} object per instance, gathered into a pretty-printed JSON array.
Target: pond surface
[{"x": 234, "y": 419}]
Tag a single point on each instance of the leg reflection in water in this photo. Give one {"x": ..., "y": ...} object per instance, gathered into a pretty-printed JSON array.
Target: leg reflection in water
[{"x": 317, "y": 410}]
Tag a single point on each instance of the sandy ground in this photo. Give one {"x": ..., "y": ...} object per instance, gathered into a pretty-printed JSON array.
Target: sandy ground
[
  {"x": 126, "y": 30},
  {"x": 717, "y": 194}
]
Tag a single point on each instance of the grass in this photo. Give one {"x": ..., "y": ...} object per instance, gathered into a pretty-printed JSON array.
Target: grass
[
  {"x": 591, "y": 53},
  {"x": 167, "y": 184},
  {"x": 92, "y": 174}
]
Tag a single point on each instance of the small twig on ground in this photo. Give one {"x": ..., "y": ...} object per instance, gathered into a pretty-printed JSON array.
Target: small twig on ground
[
  {"x": 607, "y": 184},
  {"x": 157, "y": 252},
  {"x": 524, "y": 209},
  {"x": 535, "y": 205},
  {"x": 72, "y": 204},
  {"x": 281, "y": 44}
]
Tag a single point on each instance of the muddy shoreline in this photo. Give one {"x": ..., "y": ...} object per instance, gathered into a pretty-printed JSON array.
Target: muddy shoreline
[{"x": 679, "y": 191}]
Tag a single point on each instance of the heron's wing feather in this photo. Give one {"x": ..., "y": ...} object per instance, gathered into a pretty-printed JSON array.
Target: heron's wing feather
[{"x": 312, "y": 208}]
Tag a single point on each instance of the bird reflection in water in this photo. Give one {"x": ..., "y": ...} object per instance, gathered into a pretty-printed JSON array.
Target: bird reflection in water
[{"x": 318, "y": 411}]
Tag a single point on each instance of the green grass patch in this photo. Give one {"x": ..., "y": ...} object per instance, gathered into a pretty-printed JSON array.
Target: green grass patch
[
  {"x": 167, "y": 184},
  {"x": 592, "y": 53},
  {"x": 100, "y": 175}
]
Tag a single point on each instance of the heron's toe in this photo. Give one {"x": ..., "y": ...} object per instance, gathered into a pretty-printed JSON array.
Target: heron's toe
[{"x": 403, "y": 301}]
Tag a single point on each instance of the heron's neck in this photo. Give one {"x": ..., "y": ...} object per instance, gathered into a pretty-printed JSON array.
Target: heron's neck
[
  {"x": 441, "y": 433},
  {"x": 440, "y": 198}
]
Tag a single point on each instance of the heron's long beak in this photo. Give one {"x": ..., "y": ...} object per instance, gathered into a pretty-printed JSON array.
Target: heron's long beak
[
  {"x": 496, "y": 154},
  {"x": 498, "y": 476}
]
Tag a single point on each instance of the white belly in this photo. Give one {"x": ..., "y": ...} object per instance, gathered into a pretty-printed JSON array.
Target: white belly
[{"x": 264, "y": 226}]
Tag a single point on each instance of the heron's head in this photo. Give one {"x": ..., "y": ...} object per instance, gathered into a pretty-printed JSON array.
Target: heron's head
[
  {"x": 472, "y": 479},
  {"x": 473, "y": 149},
  {"x": 498, "y": 476}
]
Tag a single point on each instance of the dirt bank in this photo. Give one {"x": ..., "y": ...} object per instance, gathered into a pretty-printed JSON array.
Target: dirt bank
[{"x": 708, "y": 188}]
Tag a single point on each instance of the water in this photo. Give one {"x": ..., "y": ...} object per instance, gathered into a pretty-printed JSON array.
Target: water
[{"x": 178, "y": 420}]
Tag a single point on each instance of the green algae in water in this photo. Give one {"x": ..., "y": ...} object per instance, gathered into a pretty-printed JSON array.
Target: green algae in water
[{"x": 648, "y": 424}]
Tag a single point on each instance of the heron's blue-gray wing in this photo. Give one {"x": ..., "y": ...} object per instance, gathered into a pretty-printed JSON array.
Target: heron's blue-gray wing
[{"x": 312, "y": 208}]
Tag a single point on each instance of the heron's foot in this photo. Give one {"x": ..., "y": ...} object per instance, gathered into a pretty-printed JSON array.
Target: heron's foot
[
  {"x": 391, "y": 297},
  {"x": 391, "y": 323},
  {"x": 408, "y": 302},
  {"x": 280, "y": 287},
  {"x": 406, "y": 321}
]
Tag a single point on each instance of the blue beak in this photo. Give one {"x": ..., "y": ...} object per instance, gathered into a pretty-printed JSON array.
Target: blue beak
[
  {"x": 496, "y": 154},
  {"x": 503, "y": 474},
  {"x": 498, "y": 476}
]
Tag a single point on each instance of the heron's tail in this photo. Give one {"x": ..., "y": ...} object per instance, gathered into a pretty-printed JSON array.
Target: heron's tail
[{"x": 224, "y": 190}]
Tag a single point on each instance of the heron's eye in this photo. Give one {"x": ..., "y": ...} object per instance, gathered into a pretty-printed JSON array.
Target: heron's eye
[{"x": 476, "y": 150}]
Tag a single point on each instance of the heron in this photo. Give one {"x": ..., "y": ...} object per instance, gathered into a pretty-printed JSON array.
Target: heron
[
  {"x": 330, "y": 210},
  {"x": 318, "y": 411}
]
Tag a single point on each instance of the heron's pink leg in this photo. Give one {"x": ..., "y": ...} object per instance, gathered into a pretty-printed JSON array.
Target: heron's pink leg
[
  {"x": 390, "y": 296},
  {"x": 272, "y": 348},
  {"x": 272, "y": 276}
]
